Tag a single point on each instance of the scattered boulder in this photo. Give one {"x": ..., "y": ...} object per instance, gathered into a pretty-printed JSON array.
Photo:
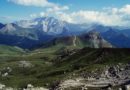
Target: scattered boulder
[
  {"x": 109, "y": 88},
  {"x": 120, "y": 88},
  {"x": 5, "y": 74},
  {"x": 127, "y": 87},
  {"x": 5, "y": 71},
  {"x": 29, "y": 86},
  {"x": 25, "y": 64},
  {"x": 2, "y": 86}
]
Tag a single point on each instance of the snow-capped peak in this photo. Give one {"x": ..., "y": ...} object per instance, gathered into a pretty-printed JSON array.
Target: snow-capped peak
[
  {"x": 49, "y": 25},
  {"x": 9, "y": 27}
]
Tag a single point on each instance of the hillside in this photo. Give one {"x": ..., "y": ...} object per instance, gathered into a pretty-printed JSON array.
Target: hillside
[
  {"x": 29, "y": 34},
  {"x": 93, "y": 39},
  {"x": 64, "y": 44},
  {"x": 90, "y": 39},
  {"x": 9, "y": 50},
  {"x": 48, "y": 73}
]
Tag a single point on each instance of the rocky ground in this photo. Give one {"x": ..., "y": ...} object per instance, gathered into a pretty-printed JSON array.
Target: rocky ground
[
  {"x": 113, "y": 78},
  {"x": 86, "y": 69},
  {"x": 29, "y": 87}
]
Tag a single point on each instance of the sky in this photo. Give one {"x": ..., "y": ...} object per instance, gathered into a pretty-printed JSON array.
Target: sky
[{"x": 107, "y": 12}]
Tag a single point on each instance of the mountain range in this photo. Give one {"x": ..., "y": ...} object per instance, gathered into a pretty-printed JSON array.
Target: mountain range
[
  {"x": 120, "y": 40},
  {"x": 48, "y": 52},
  {"x": 91, "y": 39},
  {"x": 1, "y": 25},
  {"x": 29, "y": 34}
]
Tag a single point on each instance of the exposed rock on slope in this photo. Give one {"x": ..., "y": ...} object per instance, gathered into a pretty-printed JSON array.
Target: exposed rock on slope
[
  {"x": 95, "y": 40},
  {"x": 91, "y": 39},
  {"x": 112, "y": 76}
]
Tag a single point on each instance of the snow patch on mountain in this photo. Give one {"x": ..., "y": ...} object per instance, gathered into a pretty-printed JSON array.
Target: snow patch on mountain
[{"x": 9, "y": 27}]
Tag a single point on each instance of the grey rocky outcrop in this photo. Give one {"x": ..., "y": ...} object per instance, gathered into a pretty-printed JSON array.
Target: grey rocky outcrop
[
  {"x": 25, "y": 64},
  {"x": 5, "y": 71},
  {"x": 111, "y": 76}
]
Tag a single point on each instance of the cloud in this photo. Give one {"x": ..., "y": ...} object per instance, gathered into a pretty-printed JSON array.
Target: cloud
[
  {"x": 37, "y": 3},
  {"x": 51, "y": 11},
  {"x": 106, "y": 16},
  {"x": 40, "y": 3},
  {"x": 55, "y": 9},
  {"x": 109, "y": 16},
  {"x": 33, "y": 15},
  {"x": 5, "y": 17},
  {"x": 83, "y": 16},
  {"x": 50, "y": 7},
  {"x": 125, "y": 9}
]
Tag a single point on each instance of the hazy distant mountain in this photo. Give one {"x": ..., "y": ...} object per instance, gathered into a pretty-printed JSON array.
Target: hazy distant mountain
[
  {"x": 12, "y": 34},
  {"x": 117, "y": 39},
  {"x": 30, "y": 33},
  {"x": 8, "y": 28},
  {"x": 54, "y": 26},
  {"x": 125, "y": 32},
  {"x": 1, "y": 25},
  {"x": 48, "y": 25}
]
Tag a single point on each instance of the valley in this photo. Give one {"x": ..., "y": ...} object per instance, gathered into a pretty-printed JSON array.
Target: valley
[
  {"x": 49, "y": 54},
  {"x": 30, "y": 34},
  {"x": 64, "y": 45},
  {"x": 46, "y": 68}
]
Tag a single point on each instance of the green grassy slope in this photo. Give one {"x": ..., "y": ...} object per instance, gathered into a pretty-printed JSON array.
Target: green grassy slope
[
  {"x": 47, "y": 72},
  {"x": 10, "y": 50},
  {"x": 89, "y": 59}
]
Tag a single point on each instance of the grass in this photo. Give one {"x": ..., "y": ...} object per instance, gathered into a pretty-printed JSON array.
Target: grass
[
  {"x": 47, "y": 73},
  {"x": 9, "y": 50}
]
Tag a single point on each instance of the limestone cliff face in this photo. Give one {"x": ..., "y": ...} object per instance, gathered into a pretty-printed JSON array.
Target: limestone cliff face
[
  {"x": 91, "y": 39},
  {"x": 68, "y": 40},
  {"x": 94, "y": 40}
]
